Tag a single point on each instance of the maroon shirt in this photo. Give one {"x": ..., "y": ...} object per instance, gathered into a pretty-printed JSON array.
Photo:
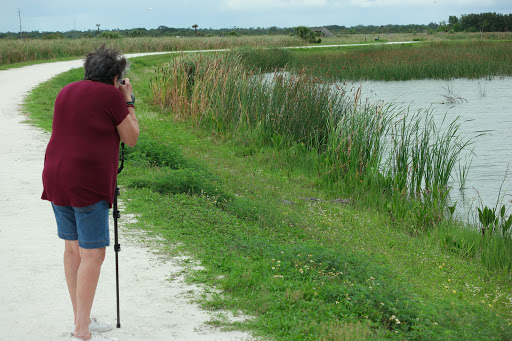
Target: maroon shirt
[{"x": 81, "y": 160}]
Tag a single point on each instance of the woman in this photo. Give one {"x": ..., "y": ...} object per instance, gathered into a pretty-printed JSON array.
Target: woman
[{"x": 90, "y": 118}]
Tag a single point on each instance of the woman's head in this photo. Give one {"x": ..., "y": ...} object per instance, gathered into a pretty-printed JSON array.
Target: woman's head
[{"x": 104, "y": 64}]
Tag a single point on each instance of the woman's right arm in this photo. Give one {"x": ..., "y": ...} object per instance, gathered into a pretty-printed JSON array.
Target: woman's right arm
[{"x": 129, "y": 129}]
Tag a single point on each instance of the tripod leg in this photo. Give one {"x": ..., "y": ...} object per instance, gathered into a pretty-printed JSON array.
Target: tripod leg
[
  {"x": 117, "y": 249},
  {"x": 117, "y": 246}
]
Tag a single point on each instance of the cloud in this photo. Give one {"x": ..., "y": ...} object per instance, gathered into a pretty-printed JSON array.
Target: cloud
[
  {"x": 412, "y": 3},
  {"x": 266, "y": 4}
]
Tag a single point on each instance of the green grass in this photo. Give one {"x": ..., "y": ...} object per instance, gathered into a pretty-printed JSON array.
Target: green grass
[{"x": 305, "y": 270}]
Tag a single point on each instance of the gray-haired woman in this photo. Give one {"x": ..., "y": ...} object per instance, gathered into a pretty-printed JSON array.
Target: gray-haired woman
[{"x": 90, "y": 118}]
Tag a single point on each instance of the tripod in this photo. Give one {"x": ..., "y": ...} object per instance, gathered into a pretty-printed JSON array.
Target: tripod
[
  {"x": 117, "y": 215},
  {"x": 117, "y": 246}
]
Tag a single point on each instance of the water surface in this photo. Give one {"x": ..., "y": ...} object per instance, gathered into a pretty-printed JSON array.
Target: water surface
[{"x": 485, "y": 109}]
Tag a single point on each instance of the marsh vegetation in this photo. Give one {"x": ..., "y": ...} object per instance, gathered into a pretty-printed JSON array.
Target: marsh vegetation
[{"x": 14, "y": 51}]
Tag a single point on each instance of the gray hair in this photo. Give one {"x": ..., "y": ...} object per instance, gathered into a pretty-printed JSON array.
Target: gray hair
[{"x": 104, "y": 64}]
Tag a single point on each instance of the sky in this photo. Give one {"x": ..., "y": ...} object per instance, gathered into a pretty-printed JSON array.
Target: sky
[{"x": 67, "y": 15}]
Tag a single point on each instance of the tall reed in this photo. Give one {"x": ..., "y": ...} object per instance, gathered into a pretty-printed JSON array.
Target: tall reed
[
  {"x": 435, "y": 60},
  {"x": 352, "y": 144},
  {"x": 349, "y": 38},
  {"x": 17, "y": 51}
]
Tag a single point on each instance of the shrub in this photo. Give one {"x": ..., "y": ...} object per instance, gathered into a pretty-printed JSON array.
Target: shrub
[
  {"x": 306, "y": 34},
  {"x": 109, "y": 35},
  {"x": 176, "y": 175},
  {"x": 55, "y": 35},
  {"x": 156, "y": 154},
  {"x": 135, "y": 33},
  {"x": 183, "y": 181}
]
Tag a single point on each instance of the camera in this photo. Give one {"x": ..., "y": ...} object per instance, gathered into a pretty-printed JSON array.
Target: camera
[{"x": 133, "y": 96}]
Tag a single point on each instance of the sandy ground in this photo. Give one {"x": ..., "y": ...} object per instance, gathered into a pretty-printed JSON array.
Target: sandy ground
[{"x": 34, "y": 303}]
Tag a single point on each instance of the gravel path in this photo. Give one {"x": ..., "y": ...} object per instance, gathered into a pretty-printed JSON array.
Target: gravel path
[{"x": 34, "y": 303}]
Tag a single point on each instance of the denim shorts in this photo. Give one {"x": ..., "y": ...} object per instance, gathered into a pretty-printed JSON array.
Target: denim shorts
[{"x": 88, "y": 225}]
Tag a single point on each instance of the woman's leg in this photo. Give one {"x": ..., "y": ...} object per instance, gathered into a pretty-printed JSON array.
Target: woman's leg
[
  {"x": 71, "y": 265},
  {"x": 87, "y": 280}
]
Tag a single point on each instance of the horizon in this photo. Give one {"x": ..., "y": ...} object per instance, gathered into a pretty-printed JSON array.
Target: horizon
[
  {"x": 218, "y": 29},
  {"x": 62, "y": 16}
]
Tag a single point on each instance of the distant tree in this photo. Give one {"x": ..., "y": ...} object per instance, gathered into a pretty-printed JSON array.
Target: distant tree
[
  {"x": 54, "y": 35},
  {"x": 135, "y": 33},
  {"x": 432, "y": 26},
  {"x": 109, "y": 35},
  {"x": 273, "y": 30},
  {"x": 507, "y": 23},
  {"x": 489, "y": 22},
  {"x": 482, "y": 22},
  {"x": 306, "y": 34},
  {"x": 454, "y": 24},
  {"x": 452, "y": 20},
  {"x": 485, "y": 22},
  {"x": 442, "y": 27},
  {"x": 303, "y": 32}
]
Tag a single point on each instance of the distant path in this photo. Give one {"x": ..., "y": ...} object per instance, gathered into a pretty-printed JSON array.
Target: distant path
[
  {"x": 345, "y": 45},
  {"x": 34, "y": 303},
  {"x": 284, "y": 47}
]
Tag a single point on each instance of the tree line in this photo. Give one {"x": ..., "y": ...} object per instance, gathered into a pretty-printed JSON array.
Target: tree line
[{"x": 483, "y": 22}]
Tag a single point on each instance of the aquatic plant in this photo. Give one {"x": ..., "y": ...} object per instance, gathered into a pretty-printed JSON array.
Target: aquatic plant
[
  {"x": 493, "y": 219},
  {"x": 452, "y": 96}
]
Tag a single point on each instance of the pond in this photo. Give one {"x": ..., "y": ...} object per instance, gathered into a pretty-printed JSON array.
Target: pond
[{"x": 485, "y": 110}]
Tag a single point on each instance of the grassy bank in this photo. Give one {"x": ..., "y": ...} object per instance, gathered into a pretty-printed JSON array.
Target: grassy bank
[
  {"x": 380, "y": 157},
  {"x": 279, "y": 248}
]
